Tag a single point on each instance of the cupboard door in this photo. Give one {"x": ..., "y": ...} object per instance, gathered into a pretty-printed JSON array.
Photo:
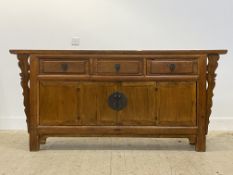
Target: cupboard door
[
  {"x": 58, "y": 103},
  {"x": 141, "y": 103},
  {"x": 94, "y": 104},
  {"x": 88, "y": 104},
  {"x": 105, "y": 114},
  {"x": 176, "y": 103},
  {"x": 70, "y": 103}
]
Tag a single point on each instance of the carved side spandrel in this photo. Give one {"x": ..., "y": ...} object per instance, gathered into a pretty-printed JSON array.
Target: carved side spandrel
[
  {"x": 23, "y": 62},
  {"x": 210, "y": 78}
]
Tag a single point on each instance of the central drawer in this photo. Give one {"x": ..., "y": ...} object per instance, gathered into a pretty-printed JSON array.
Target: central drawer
[{"x": 119, "y": 67}]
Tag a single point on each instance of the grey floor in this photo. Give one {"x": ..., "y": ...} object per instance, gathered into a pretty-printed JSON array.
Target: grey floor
[{"x": 115, "y": 156}]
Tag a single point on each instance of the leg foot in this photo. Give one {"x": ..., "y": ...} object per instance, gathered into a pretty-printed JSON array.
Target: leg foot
[
  {"x": 201, "y": 144},
  {"x": 34, "y": 142}
]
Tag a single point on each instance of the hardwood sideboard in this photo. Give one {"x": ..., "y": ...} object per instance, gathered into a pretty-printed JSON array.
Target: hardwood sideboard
[{"x": 118, "y": 93}]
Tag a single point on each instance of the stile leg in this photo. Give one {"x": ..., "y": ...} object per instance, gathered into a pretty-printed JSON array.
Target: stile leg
[
  {"x": 201, "y": 143},
  {"x": 34, "y": 142}
]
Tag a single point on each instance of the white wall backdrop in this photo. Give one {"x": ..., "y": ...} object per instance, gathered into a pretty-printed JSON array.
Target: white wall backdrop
[{"x": 114, "y": 24}]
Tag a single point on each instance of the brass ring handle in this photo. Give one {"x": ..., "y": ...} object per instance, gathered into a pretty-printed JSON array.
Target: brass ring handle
[
  {"x": 117, "y": 67},
  {"x": 64, "y": 67},
  {"x": 172, "y": 67}
]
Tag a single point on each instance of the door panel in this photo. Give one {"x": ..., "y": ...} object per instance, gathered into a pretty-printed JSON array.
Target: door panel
[
  {"x": 176, "y": 103},
  {"x": 105, "y": 114},
  {"x": 140, "y": 109},
  {"x": 94, "y": 104},
  {"x": 58, "y": 103},
  {"x": 88, "y": 104}
]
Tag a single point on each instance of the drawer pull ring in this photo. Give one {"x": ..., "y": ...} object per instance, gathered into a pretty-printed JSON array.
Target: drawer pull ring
[
  {"x": 172, "y": 67},
  {"x": 117, "y": 101},
  {"x": 117, "y": 67},
  {"x": 64, "y": 67}
]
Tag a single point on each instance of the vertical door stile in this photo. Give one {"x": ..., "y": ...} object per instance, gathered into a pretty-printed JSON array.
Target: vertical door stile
[
  {"x": 78, "y": 96},
  {"x": 157, "y": 92},
  {"x": 97, "y": 105},
  {"x": 118, "y": 113},
  {"x": 155, "y": 102}
]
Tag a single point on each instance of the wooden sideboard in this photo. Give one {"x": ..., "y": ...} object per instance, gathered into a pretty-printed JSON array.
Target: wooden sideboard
[{"x": 118, "y": 93}]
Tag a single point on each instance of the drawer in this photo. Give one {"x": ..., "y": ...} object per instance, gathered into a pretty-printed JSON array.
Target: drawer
[
  {"x": 119, "y": 67},
  {"x": 64, "y": 66},
  {"x": 171, "y": 67}
]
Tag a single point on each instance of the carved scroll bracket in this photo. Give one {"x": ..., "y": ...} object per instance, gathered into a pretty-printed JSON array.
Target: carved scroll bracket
[
  {"x": 23, "y": 62},
  {"x": 210, "y": 76}
]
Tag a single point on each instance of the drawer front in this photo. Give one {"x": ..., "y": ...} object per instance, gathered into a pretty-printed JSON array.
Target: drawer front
[
  {"x": 171, "y": 67},
  {"x": 64, "y": 66},
  {"x": 119, "y": 67}
]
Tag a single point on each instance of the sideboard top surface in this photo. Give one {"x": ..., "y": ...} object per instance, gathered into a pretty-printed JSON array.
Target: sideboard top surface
[{"x": 138, "y": 52}]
